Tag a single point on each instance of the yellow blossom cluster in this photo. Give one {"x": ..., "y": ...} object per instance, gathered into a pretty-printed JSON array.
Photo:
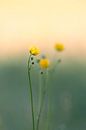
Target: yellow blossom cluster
[{"x": 44, "y": 62}]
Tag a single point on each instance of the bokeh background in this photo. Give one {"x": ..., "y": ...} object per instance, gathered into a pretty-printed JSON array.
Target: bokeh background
[{"x": 24, "y": 23}]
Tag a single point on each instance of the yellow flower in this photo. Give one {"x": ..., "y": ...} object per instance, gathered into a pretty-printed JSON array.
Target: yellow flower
[
  {"x": 44, "y": 63},
  {"x": 34, "y": 51},
  {"x": 59, "y": 46}
]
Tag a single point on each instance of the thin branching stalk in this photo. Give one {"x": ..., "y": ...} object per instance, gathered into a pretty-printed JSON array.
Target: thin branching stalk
[
  {"x": 39, "y": 98},
  {"x": 42, "y": 93},
  {"x": 40, "y": 112},
  {"x": 48, "y": 102},
  {"x": 31, "y": 93}
]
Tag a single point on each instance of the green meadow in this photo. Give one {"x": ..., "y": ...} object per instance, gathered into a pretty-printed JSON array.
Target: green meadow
[{"x": 66, "y": 95}]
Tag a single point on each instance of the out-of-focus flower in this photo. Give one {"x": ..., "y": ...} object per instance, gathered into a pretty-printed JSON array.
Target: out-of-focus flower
[
  {"x": 34, "y": 51},
  {"x": 44, "y": 63},
  {"x": 59, "y": 47}
]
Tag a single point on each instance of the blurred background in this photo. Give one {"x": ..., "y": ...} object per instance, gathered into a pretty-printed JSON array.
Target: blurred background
[{"x": 24, "y": 23}]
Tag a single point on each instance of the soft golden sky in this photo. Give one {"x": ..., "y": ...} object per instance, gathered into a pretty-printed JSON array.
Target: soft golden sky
[{"x": 42, "y": 22}]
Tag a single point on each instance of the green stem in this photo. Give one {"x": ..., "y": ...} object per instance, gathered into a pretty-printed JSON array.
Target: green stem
[
  {"x": 40, "y": 99},
  {"x": 49, "y": 115},
  {"x": 43, "y": 93},
  {"x": 48, "y": 105},
  {"x": 40, "y": 111},
  {"x": 31, "y": 93}
]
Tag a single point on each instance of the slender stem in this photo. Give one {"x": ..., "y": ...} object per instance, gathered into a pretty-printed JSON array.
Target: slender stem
[
  {"x": 40, "y": 111},
  {"x": 31, "y": 93},
  {"x": 48, "y": 105},
  {"x": 49, "y": 115},
  {"x": 43, "y": 93},
  {"x": 40, "y": 99},
  {"x": 52, "y": 70}
]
